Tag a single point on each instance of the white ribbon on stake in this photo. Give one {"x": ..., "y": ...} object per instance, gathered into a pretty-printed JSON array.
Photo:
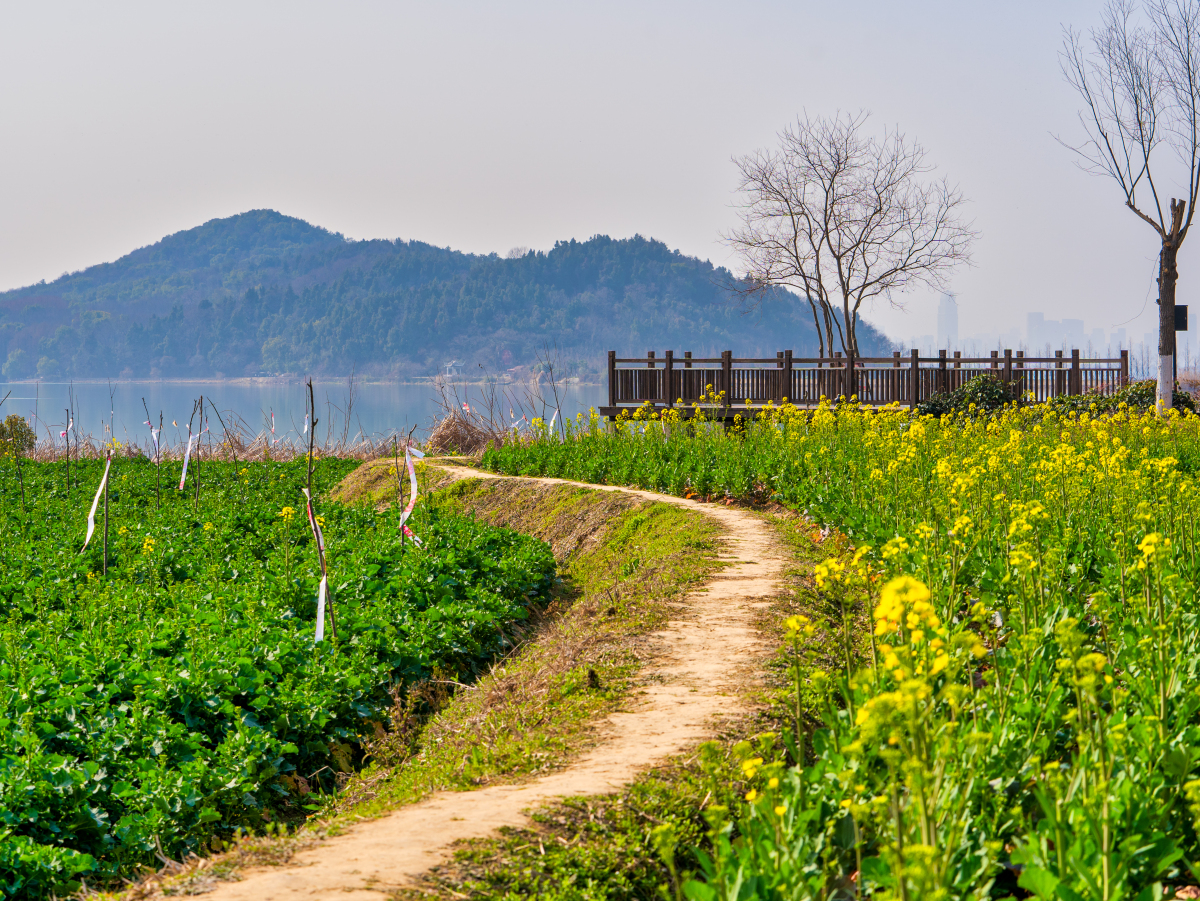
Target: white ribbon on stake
[
  {"x": 153, "y": 438},
  {"x": 409, "y": 453},
  {"x": 320, "y": 540},
  {"x": 187, "y": 453},
  {"x": 91, "y": 529}
]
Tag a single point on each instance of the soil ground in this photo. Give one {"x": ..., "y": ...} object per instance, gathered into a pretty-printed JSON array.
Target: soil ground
[{"x": 697, "y": 675}]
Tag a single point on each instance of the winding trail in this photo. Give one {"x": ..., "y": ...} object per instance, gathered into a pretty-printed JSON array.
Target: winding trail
[{"x": 693, "y": 679}]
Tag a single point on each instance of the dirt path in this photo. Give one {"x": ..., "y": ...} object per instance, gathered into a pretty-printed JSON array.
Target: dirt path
[{"x": 695, "y": 672}]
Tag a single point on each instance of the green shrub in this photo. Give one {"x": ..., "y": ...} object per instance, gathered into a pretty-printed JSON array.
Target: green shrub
[
  {"x": 1137, "y": 396},
  {"x": 16, "y": 437},
  {"x": 985, "y": 392}
]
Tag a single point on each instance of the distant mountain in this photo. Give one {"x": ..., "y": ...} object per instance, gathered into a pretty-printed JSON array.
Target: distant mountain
[{"x": 266, "y": 293}]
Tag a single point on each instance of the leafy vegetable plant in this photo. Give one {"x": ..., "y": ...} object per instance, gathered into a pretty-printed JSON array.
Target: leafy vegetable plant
[{"x": 180, "y": 697}]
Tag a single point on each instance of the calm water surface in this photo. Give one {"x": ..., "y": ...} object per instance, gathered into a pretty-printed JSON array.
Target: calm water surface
[{"x": 376, "y": 410}]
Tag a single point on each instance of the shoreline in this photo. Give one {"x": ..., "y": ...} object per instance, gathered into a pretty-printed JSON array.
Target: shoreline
[{"x": 250, "y": 381}]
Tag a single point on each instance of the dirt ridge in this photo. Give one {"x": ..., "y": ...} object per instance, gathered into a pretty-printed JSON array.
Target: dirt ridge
[{"x": 697, "y": 666}]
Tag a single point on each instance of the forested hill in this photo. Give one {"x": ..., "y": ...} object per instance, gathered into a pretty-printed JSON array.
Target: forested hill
[{"x": 266, "y": 293}]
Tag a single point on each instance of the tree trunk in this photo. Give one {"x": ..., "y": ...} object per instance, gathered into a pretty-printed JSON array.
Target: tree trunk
[
  {"x": 1168, "y": 276},
  {"x": 817, "y": 328}
]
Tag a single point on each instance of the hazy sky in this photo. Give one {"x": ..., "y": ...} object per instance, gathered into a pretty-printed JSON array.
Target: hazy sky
[{"x": 489, "y": 126}]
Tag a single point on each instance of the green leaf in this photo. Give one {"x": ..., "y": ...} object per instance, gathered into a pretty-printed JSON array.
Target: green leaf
[{"x": 1041, "y": 882}]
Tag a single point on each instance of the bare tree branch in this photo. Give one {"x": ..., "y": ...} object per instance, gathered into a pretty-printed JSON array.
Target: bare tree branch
[
  {"x": 842, "y": 216},
  {"x": 1140, "y": 87}
]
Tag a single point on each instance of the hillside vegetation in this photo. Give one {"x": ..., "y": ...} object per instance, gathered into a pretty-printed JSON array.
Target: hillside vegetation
[{"x": 262, "y": 292}]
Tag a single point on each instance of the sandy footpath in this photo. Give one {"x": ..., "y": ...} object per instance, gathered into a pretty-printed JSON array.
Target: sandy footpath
[{"x": 692, "y": 680}]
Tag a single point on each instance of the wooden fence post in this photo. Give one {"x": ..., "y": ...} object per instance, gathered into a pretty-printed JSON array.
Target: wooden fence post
[
  {"x": 612, "y": 378},
  {"x": 943, "y": 375},
  {"x": 1008, "y": 370},
  {"x": 839, "y": 379},
  {"x": 1124, "y": 368},
  {"x": 914, "y": 379},
  {"x": 777, "y": 394},
  {"x": 650, "y": 392},
  {"x": 894, "y": 394},
  {"x": 788, "y": 394},
  {"x": 995, "y": 362},
  {"x": 1058, "y": 375},
  {"x": 1075, "y": 384},
  {"x": 669, "y": 379},
  {"x": 727, "y": 375}
]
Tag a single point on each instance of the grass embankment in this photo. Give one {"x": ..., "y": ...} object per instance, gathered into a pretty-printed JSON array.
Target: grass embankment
[
  {"x": 1003, "y": 695},
  {"x": 623, "y": 565},
  {"x": 642, "y": 841}
]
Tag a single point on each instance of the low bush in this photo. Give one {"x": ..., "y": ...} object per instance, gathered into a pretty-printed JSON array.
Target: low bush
[
  {"x": 1136, "y": 396},
  {"x": 982, "y": 394}
]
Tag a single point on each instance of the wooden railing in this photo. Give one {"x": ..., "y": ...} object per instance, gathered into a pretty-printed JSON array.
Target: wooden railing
[{"x": 670, "y": 381}]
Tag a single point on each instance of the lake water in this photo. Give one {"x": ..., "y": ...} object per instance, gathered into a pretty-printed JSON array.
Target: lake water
[{"x": 377, "y": 409}]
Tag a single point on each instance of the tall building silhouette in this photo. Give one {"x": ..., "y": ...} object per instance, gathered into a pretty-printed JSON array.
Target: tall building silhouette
[{"x": 947, "y": 321}]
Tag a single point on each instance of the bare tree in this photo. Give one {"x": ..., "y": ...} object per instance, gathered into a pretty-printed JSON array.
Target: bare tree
[
  {"x": 843, "y": 216},
  {"x": 1140, "y": 86}
]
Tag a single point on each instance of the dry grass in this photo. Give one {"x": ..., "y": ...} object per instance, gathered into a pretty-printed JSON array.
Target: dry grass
[
  {"x": 460, "y": 432},
  {"x": 375, "y": 481},
  {"x": 235, "y": 446},
  {"x": 198, "y": 875}
]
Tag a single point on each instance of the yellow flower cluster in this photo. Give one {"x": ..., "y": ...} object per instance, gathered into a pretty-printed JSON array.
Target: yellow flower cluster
[{"x": 904, "y": 603}]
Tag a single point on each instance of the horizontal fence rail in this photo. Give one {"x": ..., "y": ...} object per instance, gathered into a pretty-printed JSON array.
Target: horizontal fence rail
[{"x": 749, "y": 383}]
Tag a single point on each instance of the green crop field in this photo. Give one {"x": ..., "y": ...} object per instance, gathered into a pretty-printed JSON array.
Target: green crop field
[
  {"x": 998, "y": 694},
  {"x": 181, "y": 696}
]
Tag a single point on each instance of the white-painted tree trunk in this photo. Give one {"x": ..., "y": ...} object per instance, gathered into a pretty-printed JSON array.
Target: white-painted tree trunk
[{"x": 1166, "y": 382}]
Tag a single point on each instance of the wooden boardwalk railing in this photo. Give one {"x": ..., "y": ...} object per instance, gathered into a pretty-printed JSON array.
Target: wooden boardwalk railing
[{"x": 670, "y": 381}]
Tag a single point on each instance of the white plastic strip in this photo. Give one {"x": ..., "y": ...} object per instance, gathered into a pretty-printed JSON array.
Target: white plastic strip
[
  {"x": 321, "y": 610},
  {"x": 186, "y": 455},
  {"x": 320, "y": 540},
  {"x": 91, "y": 528}
]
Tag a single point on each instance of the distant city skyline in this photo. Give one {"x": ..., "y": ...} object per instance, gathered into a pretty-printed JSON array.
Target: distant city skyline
[{"x": 1042, "y": 336}]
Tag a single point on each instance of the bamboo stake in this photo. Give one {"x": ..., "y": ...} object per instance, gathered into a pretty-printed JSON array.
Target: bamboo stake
[
  {"x": 158, "y": 469},
  {"x": 312, "y": 431},
  {"x": 104, "y": 566},
  {"x": 225, "y": 429},
  {"x": 199, "y": 441},
  {"x": 400, "y": 485},
  {"x": 67, "y": 434}
]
